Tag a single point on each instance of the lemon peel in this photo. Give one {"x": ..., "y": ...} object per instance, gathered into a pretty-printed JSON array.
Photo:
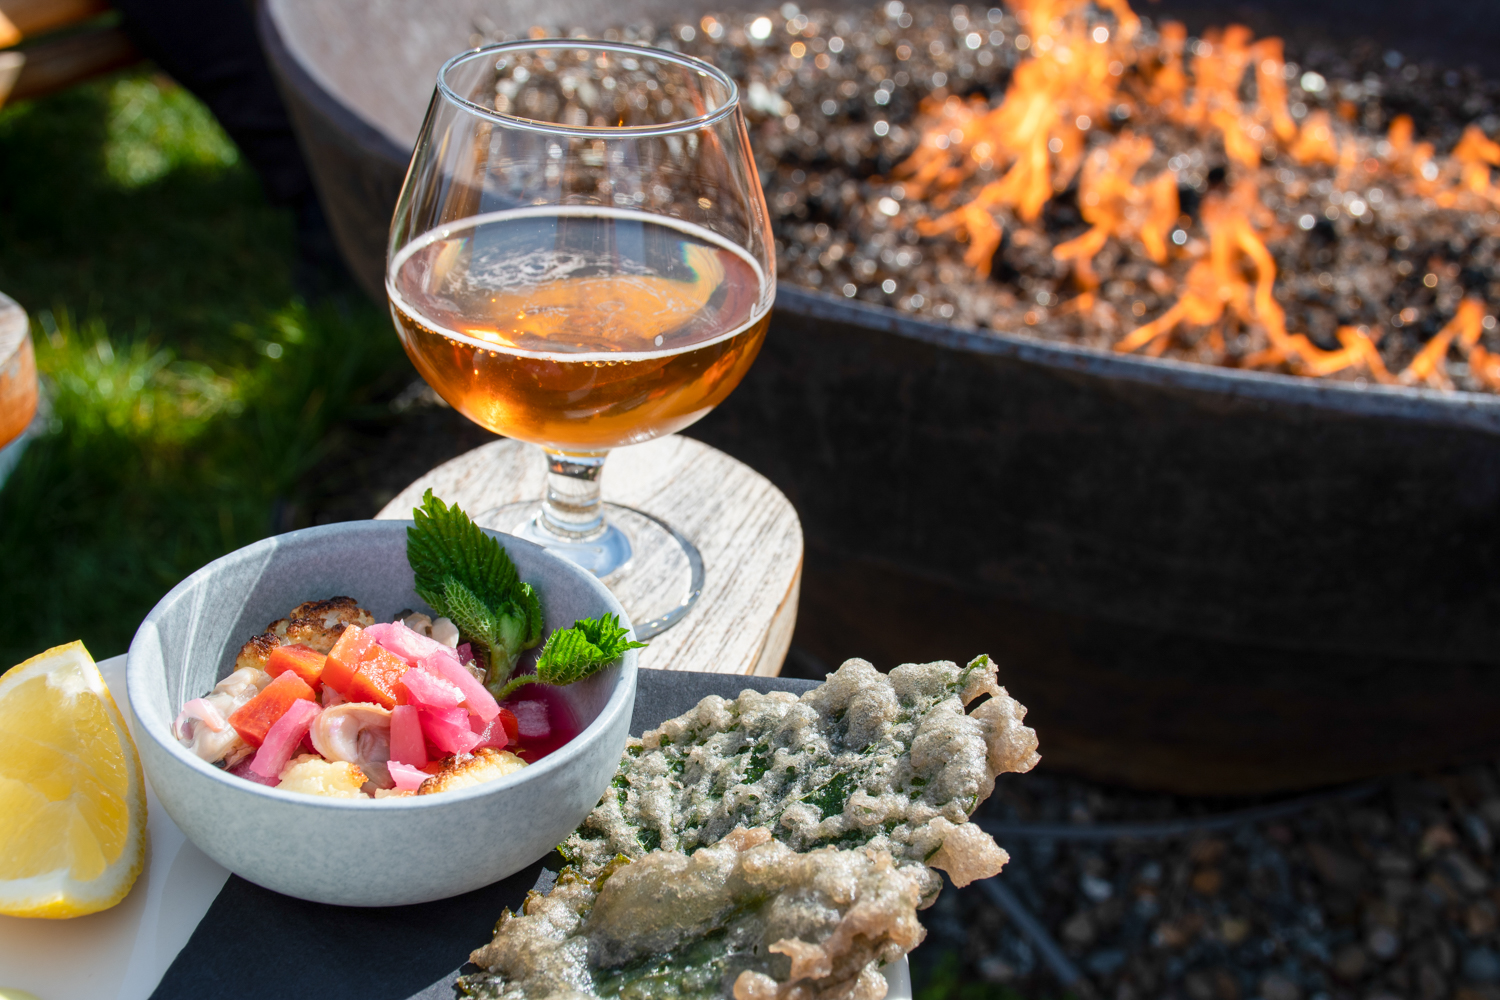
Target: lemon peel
[{"x": 72, "y": 796}]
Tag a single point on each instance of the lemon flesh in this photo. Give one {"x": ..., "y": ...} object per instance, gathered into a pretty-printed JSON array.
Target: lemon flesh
[{"x": 72, "y": 798}]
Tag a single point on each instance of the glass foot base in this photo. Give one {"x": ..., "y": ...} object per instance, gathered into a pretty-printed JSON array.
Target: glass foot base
[{"x": 655, "y": 573}]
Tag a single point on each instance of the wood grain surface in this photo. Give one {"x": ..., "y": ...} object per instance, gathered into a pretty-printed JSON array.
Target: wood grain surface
[{"x": 746, "y": 530}]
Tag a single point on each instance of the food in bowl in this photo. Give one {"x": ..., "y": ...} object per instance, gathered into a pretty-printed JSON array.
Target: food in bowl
[
  {"x": 327, "y": 701},
  {"x": 772, "y": 847}
]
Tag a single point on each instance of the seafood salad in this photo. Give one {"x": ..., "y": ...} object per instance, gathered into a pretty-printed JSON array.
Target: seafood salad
[{"x": 327, "y": 701}]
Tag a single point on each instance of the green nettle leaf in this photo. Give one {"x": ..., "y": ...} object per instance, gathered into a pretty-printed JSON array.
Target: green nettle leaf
[
  {"x": 467, "y": 576},
  {"x": 567, "y": 657},
  {"x": 571, "y": 654},
  {"x": 445, "y": 543},
  {"x": 533, "y": 605}
]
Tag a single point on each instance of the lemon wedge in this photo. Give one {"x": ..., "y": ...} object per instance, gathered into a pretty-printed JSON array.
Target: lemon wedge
[{"x": 72, "y": 798}]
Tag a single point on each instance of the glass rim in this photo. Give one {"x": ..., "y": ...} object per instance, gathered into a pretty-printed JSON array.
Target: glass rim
[{"x": 693, "y": 63}]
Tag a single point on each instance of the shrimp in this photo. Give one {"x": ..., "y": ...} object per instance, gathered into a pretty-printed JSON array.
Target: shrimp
[
  {"x": 357, "y": 732},
  {"x": 203, "y": 724}
]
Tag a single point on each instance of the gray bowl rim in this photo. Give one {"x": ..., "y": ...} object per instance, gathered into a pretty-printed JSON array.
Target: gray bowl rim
[{"x": 621, "y": 699}]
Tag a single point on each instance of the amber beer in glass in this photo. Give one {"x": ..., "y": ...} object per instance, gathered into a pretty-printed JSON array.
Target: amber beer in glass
[
  {"x": 581, "y": 259},
  {"x": 645, "y": 325}
]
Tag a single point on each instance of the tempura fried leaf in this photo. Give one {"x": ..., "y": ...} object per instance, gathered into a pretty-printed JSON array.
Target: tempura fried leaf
[
  {"x": 738, "y": 918},
  {"x": 890, "y": 761},
  {"x": 676, "y": 889}
]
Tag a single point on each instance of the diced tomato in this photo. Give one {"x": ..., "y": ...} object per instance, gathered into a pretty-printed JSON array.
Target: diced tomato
[
  {"x": 376, "y": 678},
  {"x": 306, "y": 663},
  {"x": 254, "y": 719},
  {"x": 512, "y": 727},
  {"x": 345, "y": 657}
]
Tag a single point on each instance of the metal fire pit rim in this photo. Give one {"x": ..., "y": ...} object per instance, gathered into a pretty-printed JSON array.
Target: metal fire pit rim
[
  {"x": 370, "y": 137},
  {"x": 1454, "y": 407}
]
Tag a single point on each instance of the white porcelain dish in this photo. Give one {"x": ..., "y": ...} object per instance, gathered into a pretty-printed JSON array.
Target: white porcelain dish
[{"x": 370, "y": 852}]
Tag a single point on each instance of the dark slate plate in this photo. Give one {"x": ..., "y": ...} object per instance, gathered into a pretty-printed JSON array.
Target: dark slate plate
[{"x": 254, "y": 944}]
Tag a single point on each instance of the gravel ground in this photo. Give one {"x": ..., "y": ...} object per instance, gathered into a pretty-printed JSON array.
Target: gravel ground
[{"x": 1386, "y": 892}]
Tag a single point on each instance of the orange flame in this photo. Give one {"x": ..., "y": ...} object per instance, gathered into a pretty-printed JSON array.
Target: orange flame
[
  {"x": 1116, "y": 206},
  {"x": 1053, "y": 100},
  {"x": 1466, "y": 326},
  {"x": 1316, "y": 142},
  {"x": 1037, "y": 135}
]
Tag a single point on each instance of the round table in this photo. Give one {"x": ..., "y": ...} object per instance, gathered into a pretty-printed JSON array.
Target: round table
[{"x": 745, "y": 528}]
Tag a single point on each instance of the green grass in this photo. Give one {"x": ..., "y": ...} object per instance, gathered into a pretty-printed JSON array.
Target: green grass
[{"x": 191, "y": 390}]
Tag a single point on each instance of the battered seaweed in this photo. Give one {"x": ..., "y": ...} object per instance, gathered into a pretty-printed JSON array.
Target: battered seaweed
[{"x": 676, "y": 889}]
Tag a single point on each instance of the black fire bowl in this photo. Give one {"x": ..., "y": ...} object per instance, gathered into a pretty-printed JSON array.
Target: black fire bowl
[{"x": 1200, "y": 580}]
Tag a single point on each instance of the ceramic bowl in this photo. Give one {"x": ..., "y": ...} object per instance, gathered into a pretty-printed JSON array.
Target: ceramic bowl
[{"x": 362, "y": 852}]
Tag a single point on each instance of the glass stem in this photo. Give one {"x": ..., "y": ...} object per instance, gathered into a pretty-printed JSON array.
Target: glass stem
[{"x": 572, "y": 508}]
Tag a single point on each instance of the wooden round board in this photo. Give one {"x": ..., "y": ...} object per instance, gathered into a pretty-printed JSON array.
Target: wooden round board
[{"x": 746, "y": 530}]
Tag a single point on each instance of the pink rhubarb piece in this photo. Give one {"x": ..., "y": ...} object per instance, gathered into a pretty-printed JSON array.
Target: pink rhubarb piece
[
  {"x": 428, "y": 690},
  {"x": 407, "y": 745},
  {"x": 491, "y": 733},
  {"x": 477, "y": 699},
  {"x": 531, "y": 719},
  {"x": 242, "y": 770},
  {"x": 407, "y": 778},
  {"x": 283, "y": 738},
  {"x": 448, "y": 730},
  {"x": 410, "y": 645}
]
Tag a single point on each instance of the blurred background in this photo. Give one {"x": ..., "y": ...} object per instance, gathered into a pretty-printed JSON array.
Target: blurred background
[{"x": 210, "y": 375}]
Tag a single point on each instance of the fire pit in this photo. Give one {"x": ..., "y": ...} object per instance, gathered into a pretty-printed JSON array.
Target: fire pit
[{"x": 1200, "y": 578}]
